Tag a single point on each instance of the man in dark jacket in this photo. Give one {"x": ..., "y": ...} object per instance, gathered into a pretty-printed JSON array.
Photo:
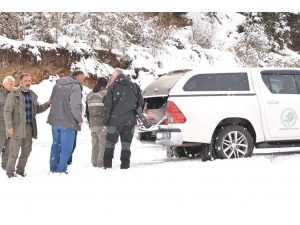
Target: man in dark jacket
[
  {"x": 94, "y": 113},
  {"x": 65, "y": 117},
  {"x": 119, "y": 118},
  {"x": 8, "y": 85}
]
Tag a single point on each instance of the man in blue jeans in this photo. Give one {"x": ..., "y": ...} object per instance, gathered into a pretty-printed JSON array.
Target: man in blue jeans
[{"x": 65, "y": 117}]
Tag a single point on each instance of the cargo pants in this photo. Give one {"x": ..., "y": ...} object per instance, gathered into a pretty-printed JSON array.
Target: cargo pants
[
  {"x": 126, "y": 134},
  {"x": 14, "y": 148},
  {"x": 98, "y": 146},
  {"x": 4, "y": 142}
]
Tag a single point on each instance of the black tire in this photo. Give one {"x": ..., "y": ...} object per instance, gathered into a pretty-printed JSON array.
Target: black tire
[
  {"x": 233, "y": 141},
  {"x": 146, "y": 136}
]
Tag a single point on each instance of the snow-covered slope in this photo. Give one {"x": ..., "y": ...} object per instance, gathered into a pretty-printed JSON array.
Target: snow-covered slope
[{"x": 180, "y": 50}]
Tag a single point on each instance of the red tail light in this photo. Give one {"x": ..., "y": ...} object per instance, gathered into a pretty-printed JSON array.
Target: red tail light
[{"x": 174, "y": 114}]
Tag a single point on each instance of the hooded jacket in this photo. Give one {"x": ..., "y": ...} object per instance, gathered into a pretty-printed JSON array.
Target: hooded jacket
[
  {"x": 66, "y": 107},
  {"x": 120, "y": 103}
]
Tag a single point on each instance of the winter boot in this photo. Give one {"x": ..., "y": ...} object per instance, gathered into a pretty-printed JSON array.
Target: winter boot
[
  {"x": 107, "y": 158},
  {"x": 125, "y": 159}
]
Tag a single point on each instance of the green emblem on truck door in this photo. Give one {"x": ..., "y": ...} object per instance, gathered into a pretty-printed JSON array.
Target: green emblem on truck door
[{"x": 288, "y": 117}]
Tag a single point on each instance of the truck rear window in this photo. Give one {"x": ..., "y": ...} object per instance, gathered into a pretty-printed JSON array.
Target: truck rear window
[{"x": 218, "y": 82}]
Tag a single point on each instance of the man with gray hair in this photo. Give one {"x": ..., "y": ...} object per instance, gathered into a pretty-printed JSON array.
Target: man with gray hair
[
  {"x": 119, "y": 118},
  {"x": 20, "y": 111},
  {"x": 8, "y": 85}
]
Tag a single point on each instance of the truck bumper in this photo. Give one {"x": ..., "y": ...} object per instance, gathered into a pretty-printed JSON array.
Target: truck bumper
[{"x": 169, "y": 137}]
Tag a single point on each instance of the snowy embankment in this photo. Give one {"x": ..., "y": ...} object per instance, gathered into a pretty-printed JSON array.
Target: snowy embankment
[{"x": 155, "y": 190}]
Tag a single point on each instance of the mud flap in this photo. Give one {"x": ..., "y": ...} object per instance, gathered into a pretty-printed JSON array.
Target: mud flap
[
  {"x": 207, "y": 153},
  {"x": 169, "y": 152}
]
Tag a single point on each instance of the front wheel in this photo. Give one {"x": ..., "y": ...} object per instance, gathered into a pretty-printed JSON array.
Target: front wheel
[{"x": 233, "y": 141}]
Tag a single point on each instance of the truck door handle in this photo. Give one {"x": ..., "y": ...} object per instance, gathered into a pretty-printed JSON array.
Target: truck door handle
[{"x": 272, "y": 102}]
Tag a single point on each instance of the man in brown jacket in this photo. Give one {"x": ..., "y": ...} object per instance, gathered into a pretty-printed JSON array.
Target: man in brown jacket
[
  {"x": 20, "y": 111},
  {"x": 94, "y": 113},
  {"x": 8, "y": 85}
]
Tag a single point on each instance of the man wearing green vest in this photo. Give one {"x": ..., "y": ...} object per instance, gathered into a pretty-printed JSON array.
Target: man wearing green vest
[{"x": 94, "y": 113}]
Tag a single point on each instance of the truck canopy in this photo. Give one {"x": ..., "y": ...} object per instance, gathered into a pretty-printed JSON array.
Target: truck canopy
[{"x": 163, "y": 85}]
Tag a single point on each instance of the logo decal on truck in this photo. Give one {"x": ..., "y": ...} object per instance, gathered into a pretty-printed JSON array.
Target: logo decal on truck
[{"x": 288, "y": 117}]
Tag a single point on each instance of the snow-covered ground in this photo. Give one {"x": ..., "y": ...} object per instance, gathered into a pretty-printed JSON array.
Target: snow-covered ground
[{"x": 263, "y": 189}]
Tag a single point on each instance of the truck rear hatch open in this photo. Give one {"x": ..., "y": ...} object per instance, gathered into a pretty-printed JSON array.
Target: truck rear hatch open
[{"x": 156, "y": 96}]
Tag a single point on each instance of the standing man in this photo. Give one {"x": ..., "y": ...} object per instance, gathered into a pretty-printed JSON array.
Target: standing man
[
  {"x": 70, "y": 160},
  {"x": 20, "y": 111},
  {"x": 94, "y": 112},
  {"x": 65, "y": 117},
  {"x": 119, "y": 118},
  {"x": 8, "y": 85}
]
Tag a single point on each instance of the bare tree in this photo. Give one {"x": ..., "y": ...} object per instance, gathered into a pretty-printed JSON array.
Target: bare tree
[
  {"x": 203, "y": 30},
  {"x": 12, "y": 25},
  {"x": 253, "y": 49},
  {"x": 57, "y": 27}
]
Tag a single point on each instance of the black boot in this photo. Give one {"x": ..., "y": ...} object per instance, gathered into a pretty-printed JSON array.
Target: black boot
[
  {"x": 125, "y": 159},
  {"x": 107, "y": 158}
]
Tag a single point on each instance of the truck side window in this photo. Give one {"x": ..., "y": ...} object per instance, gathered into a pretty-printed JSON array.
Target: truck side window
[
  {"x": 281, "y": 84},
  {"x": 218, "y": 82}
]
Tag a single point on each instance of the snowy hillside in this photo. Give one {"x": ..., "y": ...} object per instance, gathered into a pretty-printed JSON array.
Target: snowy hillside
[{"x": 211, "y": 41}]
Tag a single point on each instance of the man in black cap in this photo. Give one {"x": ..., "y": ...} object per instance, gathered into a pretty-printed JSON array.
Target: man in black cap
[{"x": 94, "y": 113}]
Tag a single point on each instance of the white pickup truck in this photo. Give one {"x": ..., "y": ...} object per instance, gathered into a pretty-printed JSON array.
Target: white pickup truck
[{"x": 226, "y": 113}]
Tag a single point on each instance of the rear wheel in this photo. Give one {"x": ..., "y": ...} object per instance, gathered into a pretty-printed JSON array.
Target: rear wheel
[{"x": 233, "y": 141}]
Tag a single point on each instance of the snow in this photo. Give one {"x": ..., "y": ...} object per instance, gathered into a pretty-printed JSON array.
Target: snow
[
  {"x": 191, "y": 56},
  {"x": 8, "y": 43},
  {"x": 228, "y": 29},
  {"x": 91, "y": 65}
]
